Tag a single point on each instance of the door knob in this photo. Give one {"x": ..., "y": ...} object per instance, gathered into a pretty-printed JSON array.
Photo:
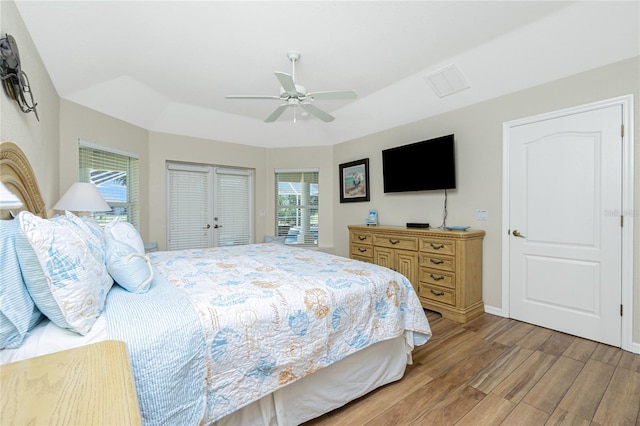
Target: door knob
[{"x": 517, "y": 233}]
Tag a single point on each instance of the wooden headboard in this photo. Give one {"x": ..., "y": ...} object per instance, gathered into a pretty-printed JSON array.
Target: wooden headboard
[{"x": 17, "y": 175}]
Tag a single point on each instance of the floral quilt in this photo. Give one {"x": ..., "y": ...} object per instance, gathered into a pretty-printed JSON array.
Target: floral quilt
[{"x": 272, "y": 314}]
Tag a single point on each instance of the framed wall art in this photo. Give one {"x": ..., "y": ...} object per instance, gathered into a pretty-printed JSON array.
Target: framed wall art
[{"x": 354, "y": 181}]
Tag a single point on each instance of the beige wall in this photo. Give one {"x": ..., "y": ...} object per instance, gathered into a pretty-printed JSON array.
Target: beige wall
[
  {"x": 478, "y": 130},
  {"x": 38, "y": 139},
  {"x": 80, "y": 123},
  {"x": 165, "y": 147}
]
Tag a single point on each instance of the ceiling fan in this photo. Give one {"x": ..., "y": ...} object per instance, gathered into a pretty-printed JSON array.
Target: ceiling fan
[{"x": 294, "y": 95}]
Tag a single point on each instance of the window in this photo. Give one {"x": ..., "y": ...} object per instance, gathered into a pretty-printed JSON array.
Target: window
[
  {"x": 297, "y": 206},
  {"x": 116, "y": 176}
]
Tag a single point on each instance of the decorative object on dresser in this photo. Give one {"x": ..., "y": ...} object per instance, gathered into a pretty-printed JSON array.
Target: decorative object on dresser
[
  {"x": 444, "y": 267},
  {"x": 354, "y": 181}
]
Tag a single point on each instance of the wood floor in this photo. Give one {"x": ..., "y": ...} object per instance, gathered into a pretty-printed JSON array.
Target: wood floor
[{"x": 498, "y": 371}]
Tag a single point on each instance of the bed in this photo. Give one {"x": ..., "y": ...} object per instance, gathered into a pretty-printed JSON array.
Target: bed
[{"x": 262, "y": 334}]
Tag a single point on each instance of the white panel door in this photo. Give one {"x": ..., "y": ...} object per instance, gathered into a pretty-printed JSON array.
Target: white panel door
[
  {"x": 233, "y": 214},
  {"x": 189, "y": 206},
  {"x": 565, "y": 183}
]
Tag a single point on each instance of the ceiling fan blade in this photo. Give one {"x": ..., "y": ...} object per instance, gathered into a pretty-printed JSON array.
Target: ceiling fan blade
[
  {"x": 286, "y": 81},
  {"x": 314, "y": 110},
  {"x": 334, "y": 94},
  {"x": 277, "y": 113},
  {"x": 251, "y": 97}
]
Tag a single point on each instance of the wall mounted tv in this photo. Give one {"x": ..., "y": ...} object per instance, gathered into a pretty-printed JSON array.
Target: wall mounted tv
[{"x": 420, "y": 166}]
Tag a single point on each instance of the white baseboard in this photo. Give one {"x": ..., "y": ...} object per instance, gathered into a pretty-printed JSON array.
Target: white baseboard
[
  {"x": 494, "y": 311},
  {"x": 635, "y": 346}
]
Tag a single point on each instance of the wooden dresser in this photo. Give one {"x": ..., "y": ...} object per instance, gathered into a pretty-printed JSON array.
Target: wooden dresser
[
  {"x": 88, "y": 385},
  {"x": 444, "y": 267}
]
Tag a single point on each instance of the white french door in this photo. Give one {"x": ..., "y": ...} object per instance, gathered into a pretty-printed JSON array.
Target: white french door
[
  {"x": 208, "y": 206},
  {"x": 233, "y": 210},
  {"x": 565, "y": 223}
]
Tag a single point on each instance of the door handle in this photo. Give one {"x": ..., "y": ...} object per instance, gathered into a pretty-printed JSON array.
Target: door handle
[
  {"x": 517, "y": 233},
  {"x": 217, "y": 226},
  {"x": 207, "y": 227}
]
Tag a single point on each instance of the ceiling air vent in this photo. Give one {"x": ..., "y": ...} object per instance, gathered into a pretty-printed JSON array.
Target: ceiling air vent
[{"x": 447, "y": 81}]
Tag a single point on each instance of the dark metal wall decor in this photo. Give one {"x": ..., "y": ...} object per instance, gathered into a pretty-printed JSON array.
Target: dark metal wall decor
[{"x": 14, "y": 80}]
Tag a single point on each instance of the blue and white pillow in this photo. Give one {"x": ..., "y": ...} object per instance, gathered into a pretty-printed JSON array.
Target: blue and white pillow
[
  {"x": 18, "y": 313},
  {"x": 125, "y": 232},
  {"x": 130, "y": 269},
  {"x": 64, "y": 270}
]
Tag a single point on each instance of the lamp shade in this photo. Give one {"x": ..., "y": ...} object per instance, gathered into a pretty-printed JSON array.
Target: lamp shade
[
  {"x": 8, "y": 200},
  {"x": 82, "y": 197}
]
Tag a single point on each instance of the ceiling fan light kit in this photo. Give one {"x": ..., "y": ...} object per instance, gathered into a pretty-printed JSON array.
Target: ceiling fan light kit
[{"x": 295, "y": 95}]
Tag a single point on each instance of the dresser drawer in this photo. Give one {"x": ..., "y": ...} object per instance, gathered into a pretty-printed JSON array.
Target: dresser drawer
[
  {"x": 362, "y": 237},
  {"x": 396, "y": 241},
  {"x": 444, "y": 263},
  {"x": 437, "y": 294},
  {"x": 362, "y": 258},
  {"x": 433, "y": 245},
  {"x": 361, "y": 250},
  {"x": 436, "y": 277}
]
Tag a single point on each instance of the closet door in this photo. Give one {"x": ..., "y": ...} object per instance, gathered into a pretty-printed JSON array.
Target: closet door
[{"x": 189, "y": 206}]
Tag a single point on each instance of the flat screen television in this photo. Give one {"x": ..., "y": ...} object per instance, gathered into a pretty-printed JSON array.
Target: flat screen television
[{"x": 420, "y": 166}]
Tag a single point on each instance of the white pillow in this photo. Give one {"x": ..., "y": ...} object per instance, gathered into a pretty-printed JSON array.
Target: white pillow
[
  {"x": 72, "y": 282},
  {"x": 125, "y": 232},
  {"x": 130, "y": 269},
  {"x": 275, "y": 240}
]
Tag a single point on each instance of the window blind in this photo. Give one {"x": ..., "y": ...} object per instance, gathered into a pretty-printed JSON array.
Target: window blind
[
  {"x": 189, "y": 209},
  {"x": 297, "y": 201},
  {"x": 116, "y": 175},
  {"x": 234, "y": 206}
]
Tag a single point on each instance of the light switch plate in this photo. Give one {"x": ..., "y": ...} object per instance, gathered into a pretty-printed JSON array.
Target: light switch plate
[{"x": 481, "y": 214}]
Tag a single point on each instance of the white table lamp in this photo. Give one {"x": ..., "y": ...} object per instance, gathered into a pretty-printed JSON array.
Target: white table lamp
[
  {"x": 8, "y": 200},
  {"x": 82, "y": 197}
]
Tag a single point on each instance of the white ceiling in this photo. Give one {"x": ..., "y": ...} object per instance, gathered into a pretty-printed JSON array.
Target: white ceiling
[{"x": 167, "y": 65}]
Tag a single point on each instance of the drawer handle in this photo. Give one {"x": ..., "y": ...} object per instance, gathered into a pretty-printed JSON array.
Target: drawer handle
[
  {"x": 362, "y": 237},
  {"x": 394, "y": 241},
  {"x": 436, "y": 261},
  {"x": 436, "y": 293},
  {"x": 436, "y": 277},
  {"x": 362, "y": 250},
  {"x": 436, "y": 246}
]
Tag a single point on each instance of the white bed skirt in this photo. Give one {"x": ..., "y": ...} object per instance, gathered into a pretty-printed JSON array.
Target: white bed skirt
[
  {"x": 298, "y": 402},
  {"x": 328, "y": 388}
]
